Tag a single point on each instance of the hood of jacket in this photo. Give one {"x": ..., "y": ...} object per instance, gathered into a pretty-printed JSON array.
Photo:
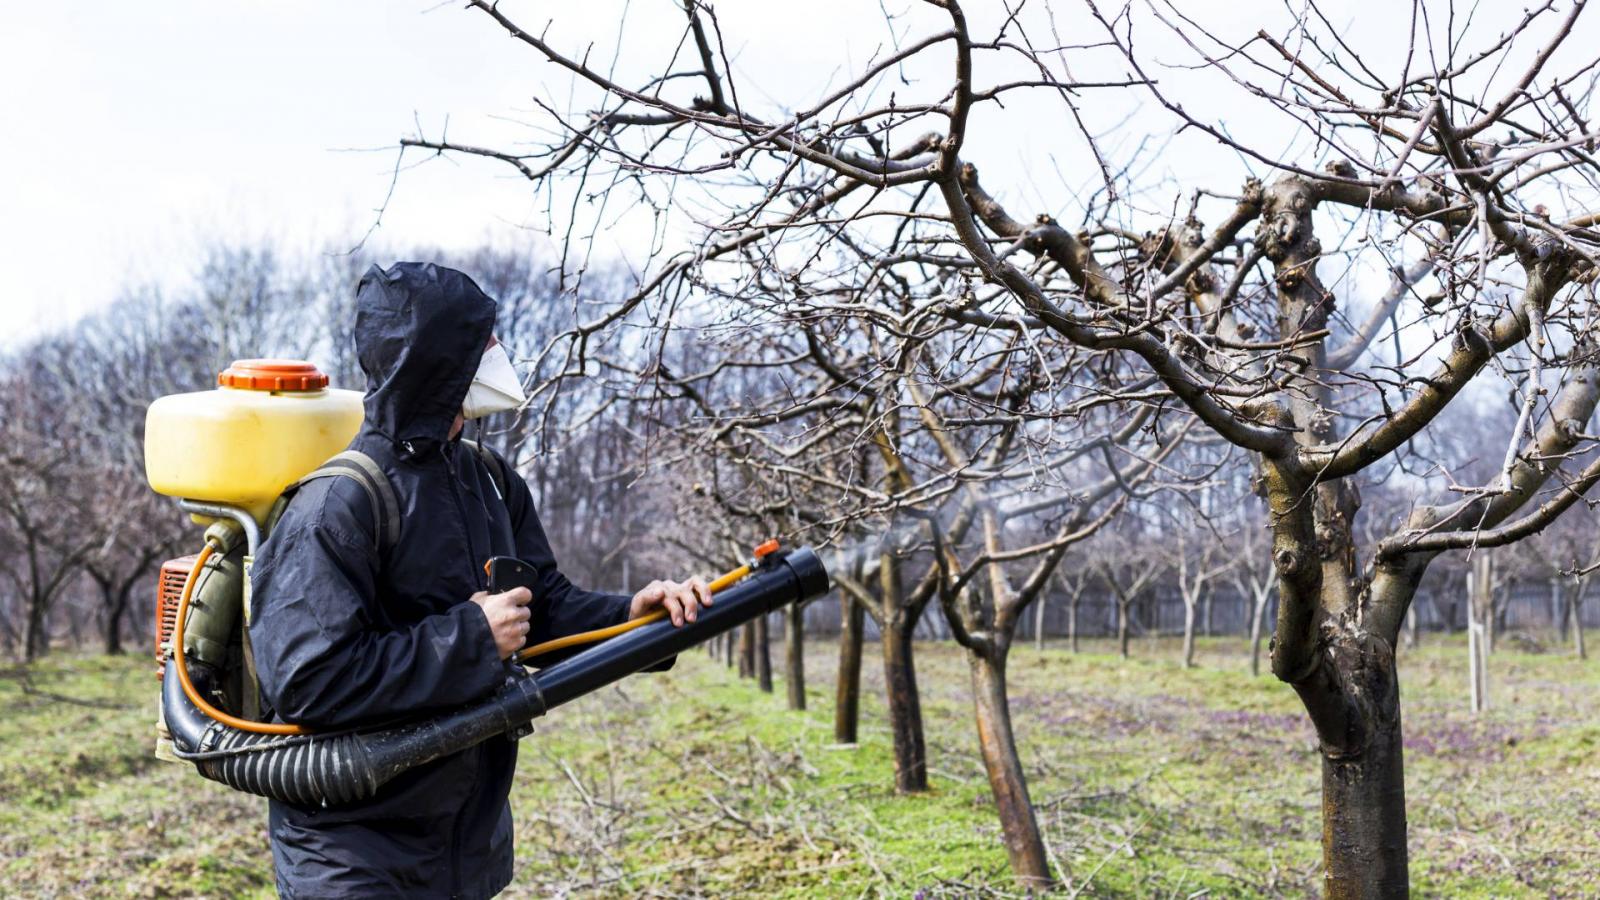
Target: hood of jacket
[{"x": 420, "y": 331}]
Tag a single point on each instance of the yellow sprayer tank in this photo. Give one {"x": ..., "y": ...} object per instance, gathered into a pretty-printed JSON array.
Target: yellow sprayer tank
[{"x": 268, "y": 423}]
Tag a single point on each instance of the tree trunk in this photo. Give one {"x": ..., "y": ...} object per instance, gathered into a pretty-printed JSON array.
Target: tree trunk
[
  {"x": 1038, "y": 620},
  {"x": 74, "y": 627},
  {"x": 1258, "y": 613},
  {"x": 1480, "y": 591},
  {"x": 35, "y": 632},
  {"x": 1364, "y": 822},
  {"x": 763, "y": 656},
  {"x": 1122, "y": 626},
  {"x": 1558, "y": 609},
  {"x": 1205, "y": 614},
  {"x": 728, "y": 649},
  {"x": 113, "y": 632},
  {"x": 847, "y": 688},
  {"x": 1188, "y": 632},
  {"x": 1072, "y": 620},
  {"x": 794, "y": 655},
  {"x": 1353, "y": 697},
  {"x": 115, "y": 613},
  {"x": 905, "y": 705},
  {"x": 747, "y": 650},
  {"x": 1576, "y": 612},
  {"x": 1024, "y": 844}
]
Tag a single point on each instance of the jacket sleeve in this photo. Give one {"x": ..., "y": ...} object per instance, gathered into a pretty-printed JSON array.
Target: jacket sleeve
[
  {"x": 322, "y": 654},
  {"x": 560, "y": 607}
]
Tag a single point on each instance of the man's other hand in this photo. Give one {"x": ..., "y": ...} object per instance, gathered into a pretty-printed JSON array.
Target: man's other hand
[
  {"x": 681, "y": 599},
  {"x": 508, "y": 617}
]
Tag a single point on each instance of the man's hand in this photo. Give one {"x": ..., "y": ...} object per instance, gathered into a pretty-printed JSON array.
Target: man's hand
[
  {"x": 508, "y": 617},
  {"x": 681, "y": 599}
]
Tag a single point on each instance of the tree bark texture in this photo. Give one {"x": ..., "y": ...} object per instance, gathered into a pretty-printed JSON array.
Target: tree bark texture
[
  {"x": 1354, "y": 699},
  {"x": 1122, "y": 626},
  {"x": 116, "y": 611},
  {"x": 35, "y": 635},
  {"x": 794, "y": 655},
  {"x": 1072, "y": 619},
  {"x": 1024, "y": 844},
  {"x": 905, "y": 706},
  {"x": 900, "y": 681},
  {"x": 847, "y": 687},
  {"x": 763, "y": 654},
  {"x": 1576, "y": 612},
  {"x": 1559, "y": 613},
  {"x": 1038, "y": 621},
  {"x": 1188, "y": 632}
]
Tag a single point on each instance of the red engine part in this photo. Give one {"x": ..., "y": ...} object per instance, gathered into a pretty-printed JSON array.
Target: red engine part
[{"x": 169, "y": 590}]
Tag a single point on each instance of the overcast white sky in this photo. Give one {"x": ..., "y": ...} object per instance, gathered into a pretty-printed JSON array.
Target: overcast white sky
[{"x": 132, "y": 133}]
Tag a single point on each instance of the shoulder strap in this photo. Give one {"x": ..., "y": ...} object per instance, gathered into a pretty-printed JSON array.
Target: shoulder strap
[
  {"x": 361, "y": 468},
  {"x": 497, "y": 471}
]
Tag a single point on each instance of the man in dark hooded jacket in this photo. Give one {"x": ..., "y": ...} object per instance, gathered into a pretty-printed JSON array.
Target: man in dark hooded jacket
[{"x": 345, "y": 635}]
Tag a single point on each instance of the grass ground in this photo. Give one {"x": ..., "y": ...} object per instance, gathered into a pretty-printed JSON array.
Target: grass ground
[{"x": 1151, "y": 781}]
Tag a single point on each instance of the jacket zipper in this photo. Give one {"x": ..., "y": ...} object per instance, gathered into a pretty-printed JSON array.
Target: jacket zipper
[
  {"x": 456, "y": 886},
  {"x": 461, "y": 511}
]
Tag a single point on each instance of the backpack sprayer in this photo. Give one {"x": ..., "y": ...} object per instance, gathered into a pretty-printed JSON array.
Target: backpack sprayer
[{"x": 229, "y": 455}]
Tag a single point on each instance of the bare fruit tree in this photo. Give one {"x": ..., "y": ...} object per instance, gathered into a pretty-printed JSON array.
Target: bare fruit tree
[
  {"x": 984, "y": 617},
  {"x": 1197, "y": 569},
  {"x": 1426, "y": 231},
  {"x": 1255, "y": 578}
]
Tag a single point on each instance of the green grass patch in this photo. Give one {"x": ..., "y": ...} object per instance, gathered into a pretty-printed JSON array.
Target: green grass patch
[{"x": 1150, "y": 780}]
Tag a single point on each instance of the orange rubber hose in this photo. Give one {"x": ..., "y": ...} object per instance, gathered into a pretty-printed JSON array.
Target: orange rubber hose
[
  {"x": 600, "y": 634},
  {"x": 585, "y": 637},
  {"x": 183, "y": 668}
]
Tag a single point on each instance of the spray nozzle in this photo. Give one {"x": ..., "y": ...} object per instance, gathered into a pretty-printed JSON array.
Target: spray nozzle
[{"x": 766, "y": 553}]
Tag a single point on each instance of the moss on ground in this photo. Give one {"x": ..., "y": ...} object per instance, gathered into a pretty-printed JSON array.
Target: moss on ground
[{"x": 1150, "y": 780}]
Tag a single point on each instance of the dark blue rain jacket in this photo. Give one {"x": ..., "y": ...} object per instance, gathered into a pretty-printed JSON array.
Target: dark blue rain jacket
[{"x": 344, "y": 637}]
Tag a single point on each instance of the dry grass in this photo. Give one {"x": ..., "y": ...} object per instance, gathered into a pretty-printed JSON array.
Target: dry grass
[{"x": 1151, "y": 781}]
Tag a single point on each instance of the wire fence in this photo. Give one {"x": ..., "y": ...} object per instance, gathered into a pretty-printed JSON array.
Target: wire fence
[{"x": 1531, "y": 607}]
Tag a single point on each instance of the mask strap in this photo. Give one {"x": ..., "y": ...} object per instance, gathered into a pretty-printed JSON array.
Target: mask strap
[{"x": 477, "y": 440}]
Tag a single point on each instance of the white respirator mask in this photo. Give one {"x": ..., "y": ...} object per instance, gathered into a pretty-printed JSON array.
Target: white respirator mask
[{"x": 495, "y": 388}]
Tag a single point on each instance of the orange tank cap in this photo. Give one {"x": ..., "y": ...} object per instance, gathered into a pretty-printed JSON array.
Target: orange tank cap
[
  {"x": 272, "y": 375},
  {"x": 766, "y": 549}
]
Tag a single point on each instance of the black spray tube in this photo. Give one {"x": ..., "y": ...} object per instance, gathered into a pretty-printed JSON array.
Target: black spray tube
[{"x": 321, "y": 770}]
